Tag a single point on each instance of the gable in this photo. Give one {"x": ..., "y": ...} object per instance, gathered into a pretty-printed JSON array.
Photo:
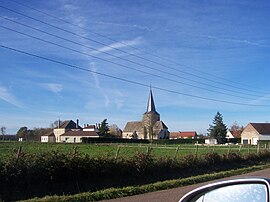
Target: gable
[
  {"x": 68, "y": 124},
  {"x": 233, "y": 134}
]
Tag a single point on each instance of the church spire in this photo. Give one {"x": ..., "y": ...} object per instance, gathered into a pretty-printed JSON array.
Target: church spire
[{"x": 151, "y": 105}]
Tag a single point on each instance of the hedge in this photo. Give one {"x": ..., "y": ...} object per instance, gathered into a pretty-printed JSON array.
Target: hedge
[
  {"x": 112, "y": 140},
  {"x": 138, "y": 141},
  {"x": 134, "y": 190},
  {"x": 41, "y": 174}
]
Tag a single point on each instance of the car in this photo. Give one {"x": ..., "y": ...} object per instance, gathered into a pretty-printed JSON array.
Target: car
[{"x": 236, "y": 190}]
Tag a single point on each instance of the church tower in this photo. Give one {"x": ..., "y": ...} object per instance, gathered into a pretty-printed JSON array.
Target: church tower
[
  {"x": 151, "y": 116},
  {"x": 150, "y": 127}
]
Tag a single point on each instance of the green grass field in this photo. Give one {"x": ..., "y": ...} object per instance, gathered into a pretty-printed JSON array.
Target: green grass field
[{"x": 125, "y": 151}]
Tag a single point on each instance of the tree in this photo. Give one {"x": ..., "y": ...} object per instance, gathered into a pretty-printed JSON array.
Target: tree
[
  {"x": 3, "y": 131},
  {"x": 56, "y": 123},
  {"x": 218, "y": 130},
  {"x": 144, "y": 133},
  {"x": 134, "y": 135},
  {"x": 115, "y": 131},
  {"x": 151, "y": 133},
  {"x": 104, "y": 128},
  {"x": 236, "y": 128},
  {"x": 32, "y": 135},
  {"x": 22, "y": 132}
]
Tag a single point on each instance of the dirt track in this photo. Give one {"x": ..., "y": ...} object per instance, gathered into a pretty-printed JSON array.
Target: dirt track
[{"x": 172, "y": 195}]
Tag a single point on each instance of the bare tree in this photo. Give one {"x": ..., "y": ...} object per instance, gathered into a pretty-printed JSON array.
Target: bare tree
[
  {"x": 236, "y": 128},
  {"x": 56, "y": 123},
  {"x": 115, "y": 131},
  {"x": 3, "y": 132}
]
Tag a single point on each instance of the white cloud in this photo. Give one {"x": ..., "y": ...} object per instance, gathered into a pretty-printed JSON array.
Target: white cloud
[
  {"x": 118, "y": 45},
  {"x": 95, "y": 76},
  {"x": 53, "y": 87},
  {"x": 69, "y": 7},
  {"x": 124, "y": 25},
  {"x": 8, "y": 97}
]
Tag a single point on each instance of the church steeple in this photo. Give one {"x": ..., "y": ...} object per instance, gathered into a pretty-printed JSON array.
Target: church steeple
[
  {"x": 151, "y": 104},
  {"x": 151, "y": 116}
]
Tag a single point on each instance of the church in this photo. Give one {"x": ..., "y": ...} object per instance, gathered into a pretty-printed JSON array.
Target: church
[{"x": 150, "y": 127}]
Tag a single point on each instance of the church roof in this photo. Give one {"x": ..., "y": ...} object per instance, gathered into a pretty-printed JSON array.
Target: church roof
[
  {"x": 151, "y": 104},
  {"x": 133, "y": 126},
  {"x": 159, "y": 125}
]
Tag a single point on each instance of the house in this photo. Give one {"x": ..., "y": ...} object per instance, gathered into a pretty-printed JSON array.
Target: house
[
  {"x": 89, "y": 127},
  {"x": 76, "y": 136},
  {"x": 254, "y": 132},
  {"x": 183, "y": 135},
  {"x": 210, "y": 141},
  {"x": 150, "y": 127},
  {"x": 64, "y": 127},
  {"x": 233, "y": 136},
  {"x": 48, "y": 138}
]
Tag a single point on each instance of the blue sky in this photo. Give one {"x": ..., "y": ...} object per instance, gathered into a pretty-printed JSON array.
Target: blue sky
[{"x": 187, "y": 50}]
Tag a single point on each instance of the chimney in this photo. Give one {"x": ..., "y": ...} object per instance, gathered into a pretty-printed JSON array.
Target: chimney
[
  {"x": 77, "y": 123},
  {"x": 58, "y": 123}
]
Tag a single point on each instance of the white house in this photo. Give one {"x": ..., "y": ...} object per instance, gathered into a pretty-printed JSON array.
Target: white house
[
  {"x": 89, "y": 127},
  {"x": 254, "y": 132},
  {"x": 210, "y": 141},
  {"x": 233, "y": 135},
  {"x": 64, "y": 127},
  {"x": 48, "y": 138},
  {"x": 76, "y": 136}
]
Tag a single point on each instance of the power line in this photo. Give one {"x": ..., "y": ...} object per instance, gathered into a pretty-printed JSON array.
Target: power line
[
  {"x": 121, "y": 65},
  {"x": 149, "y": 53},
  {"x": 91, "y": 55},
  {"x": 126, "y": 80},
  {"x": 131, "y": 54}
]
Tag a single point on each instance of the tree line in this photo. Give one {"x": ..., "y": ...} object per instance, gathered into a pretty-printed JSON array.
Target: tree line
[{"x": 34, "y": 134}]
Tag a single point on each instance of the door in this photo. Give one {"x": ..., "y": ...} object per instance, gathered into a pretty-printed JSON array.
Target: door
[{"x": 255, "y": 140}]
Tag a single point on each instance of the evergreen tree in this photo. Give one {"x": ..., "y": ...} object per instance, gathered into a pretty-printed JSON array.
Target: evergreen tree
[
  {"x": 218, "y": 130},
  {"x": 104, "y": 128}
]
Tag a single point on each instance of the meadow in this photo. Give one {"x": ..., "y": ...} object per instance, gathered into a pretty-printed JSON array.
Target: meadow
[{"x": 8, "y": 149}]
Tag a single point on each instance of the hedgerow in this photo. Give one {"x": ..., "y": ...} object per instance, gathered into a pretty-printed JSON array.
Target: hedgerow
[
  {"x": 30, "y": 175},
  {"x": 133, "y": 190}
]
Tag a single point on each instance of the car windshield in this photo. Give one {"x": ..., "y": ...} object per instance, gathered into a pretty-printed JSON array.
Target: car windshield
[{"x": 238, "y": 193}]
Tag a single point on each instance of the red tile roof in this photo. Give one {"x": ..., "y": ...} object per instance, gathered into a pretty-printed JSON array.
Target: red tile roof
[
  {"x": 187, "y": 134},
  {"x": 236, "y": 134}
]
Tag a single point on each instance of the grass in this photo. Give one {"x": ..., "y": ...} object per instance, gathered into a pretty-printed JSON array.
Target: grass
[{"x": 126, "y": 150}]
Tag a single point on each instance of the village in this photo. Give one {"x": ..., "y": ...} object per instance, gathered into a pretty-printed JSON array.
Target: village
[{"x": 151, "y": 127}]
